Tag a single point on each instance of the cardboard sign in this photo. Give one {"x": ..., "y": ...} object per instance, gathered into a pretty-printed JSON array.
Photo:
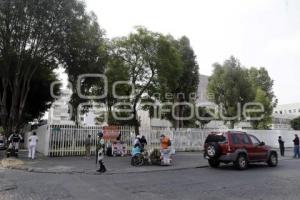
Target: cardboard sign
[{"x": 110, "y": 133}]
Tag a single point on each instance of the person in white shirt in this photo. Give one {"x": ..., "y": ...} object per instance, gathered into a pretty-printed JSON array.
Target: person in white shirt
[{"x": 32, "y": 142}]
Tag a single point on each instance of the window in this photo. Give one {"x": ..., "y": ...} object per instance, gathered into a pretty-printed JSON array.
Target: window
[
  {"x": 295, "y": 110},
  {"x": 280, "y": 112},
  {"x": 299, "y": 110},
  {"x": 290, "y": 111},
  {"x": 245, "y": 139},
  {"x": 234, "y": 138},
  {"x": 254, "y": 140},
  {"x": 215, "y": 138},
  {"x": 276, "y": 112}
]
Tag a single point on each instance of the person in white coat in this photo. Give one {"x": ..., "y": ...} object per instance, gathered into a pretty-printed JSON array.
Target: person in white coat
[{"x": 32, "y": 142}]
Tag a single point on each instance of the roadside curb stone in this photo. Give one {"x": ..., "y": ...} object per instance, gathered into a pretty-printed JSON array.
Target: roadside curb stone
[{"x": 66, "y": 170}]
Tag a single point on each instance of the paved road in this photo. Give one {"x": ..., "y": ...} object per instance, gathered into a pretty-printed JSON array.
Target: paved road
[{"x": 258, "y": 182}]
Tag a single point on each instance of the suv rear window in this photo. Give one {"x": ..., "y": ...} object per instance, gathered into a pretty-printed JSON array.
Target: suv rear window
[{"x": 215, "y": 138}]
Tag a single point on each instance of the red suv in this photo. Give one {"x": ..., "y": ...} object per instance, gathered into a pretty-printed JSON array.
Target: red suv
[{"x": 237, "y": 147}]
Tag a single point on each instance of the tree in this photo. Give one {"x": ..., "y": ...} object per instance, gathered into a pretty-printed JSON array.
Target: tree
[
  {"x": 148, "y": 56},
  {"x": 39, "y": 97},
  {"x": 231, "y": 89},
  {"x": 117, "y": 70},
  {"x": 263, "y": 85},
  {"x": 295, "y": 123},
  {"x": 31, "y": 35},
  {"x": 262, "y": 97},
  {"x": 203, "y": 113},
  {"x": 85, "y": 52},
  {"x": 185, "y": 87}
]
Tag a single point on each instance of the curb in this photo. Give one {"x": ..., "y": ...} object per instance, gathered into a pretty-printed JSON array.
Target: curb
[
  {"x": 112, "y": 172},
  {"x": 135, "y": 170}
]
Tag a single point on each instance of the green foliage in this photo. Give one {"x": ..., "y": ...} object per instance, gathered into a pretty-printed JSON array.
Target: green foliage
[
  {"x": 85, "y": 52},
  {"x": 38, "y": 36},
  {"x": 262, "y": 97},
  {"x": 230, "y": 87},
  {"x": 39, "y": 97},
  {"x": 295, "y": 123},
  {"x": 204, "y": 116},
  {"x": 116, "y": 70},
  {"x": 263, "y": 85},
  {"x": 231, "y": 84},
  {"x": 31, "y": 33},
  {"x": 183, "y": 86},
  {"x": 150, "y": 60}
]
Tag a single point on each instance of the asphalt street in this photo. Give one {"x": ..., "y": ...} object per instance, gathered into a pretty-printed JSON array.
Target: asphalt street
[{"x": 257, "y": 182}]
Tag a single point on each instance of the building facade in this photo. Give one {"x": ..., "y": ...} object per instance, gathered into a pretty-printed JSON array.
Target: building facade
[
  {"x": 284, "y": 114},
  {"x": 292, "y": 109}
]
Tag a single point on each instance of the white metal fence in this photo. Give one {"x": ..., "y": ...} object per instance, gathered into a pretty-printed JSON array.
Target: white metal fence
[{"x": 69, "y": 140}]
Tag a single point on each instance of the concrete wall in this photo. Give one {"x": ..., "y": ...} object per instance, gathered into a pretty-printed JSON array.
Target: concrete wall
[
  {"x": 270, "y": 137},
  {"x": 193, "y": 139},
  {"x": 43, "y": 134}
]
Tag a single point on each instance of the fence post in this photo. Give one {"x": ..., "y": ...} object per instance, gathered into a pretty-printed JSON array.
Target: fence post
[{"x": 47, "y": 141}]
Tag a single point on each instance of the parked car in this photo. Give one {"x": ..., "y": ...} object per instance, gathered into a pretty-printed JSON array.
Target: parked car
[
  {"x": 2, "y": 145},
  {"x": 238, "y": 148}
]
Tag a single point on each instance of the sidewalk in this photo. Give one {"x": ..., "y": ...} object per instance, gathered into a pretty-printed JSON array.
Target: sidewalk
[{"x": 115, "y": 165}]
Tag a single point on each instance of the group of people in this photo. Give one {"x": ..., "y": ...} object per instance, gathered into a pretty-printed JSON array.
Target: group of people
[
  {"x": 139, "y": 144},
  {"x": 296, "y": 146},
  {"x": 165, "y": 147},
  {"x": 15, "y": 139}
]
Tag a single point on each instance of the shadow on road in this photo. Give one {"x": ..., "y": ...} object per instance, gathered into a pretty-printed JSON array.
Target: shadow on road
[{"x": 255, "y": 166}]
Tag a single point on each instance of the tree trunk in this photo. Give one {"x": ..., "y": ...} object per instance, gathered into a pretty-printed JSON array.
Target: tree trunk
[
  {"x": 3, "y": 106},
  {"x": 231, "y": 124},
  {"x": 181, "y": 115},
  {"x": 13, "y": 113},
  {"x": 177, "y": 122},
  {"x": 135, "y": 121}
]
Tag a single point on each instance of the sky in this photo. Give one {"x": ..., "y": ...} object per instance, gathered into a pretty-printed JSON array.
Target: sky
[{"x": 260, "y": 33}]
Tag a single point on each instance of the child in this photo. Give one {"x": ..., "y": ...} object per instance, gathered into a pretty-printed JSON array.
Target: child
[{"x": 100, "y": 153}]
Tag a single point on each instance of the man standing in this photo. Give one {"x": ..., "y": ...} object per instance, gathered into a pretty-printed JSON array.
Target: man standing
[
  {"x": 100, "y": 153},
  {"x": 32, "y": 142},
  {"x": 15, "y": 140},
  {"x": 143, "y": 141},
  {"x": 296, "y": 147},
  {"x": 281, "y": 146},
  {"x": 88, "y": 147}
]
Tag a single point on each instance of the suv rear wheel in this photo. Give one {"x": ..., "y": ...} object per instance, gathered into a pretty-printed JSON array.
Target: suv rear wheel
[
  {"x": 273, "y": 160},
  {"x": 213, "y": 163},
  {"x": 241, "y": 162},
  {"x": 213, "y": 150}
]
